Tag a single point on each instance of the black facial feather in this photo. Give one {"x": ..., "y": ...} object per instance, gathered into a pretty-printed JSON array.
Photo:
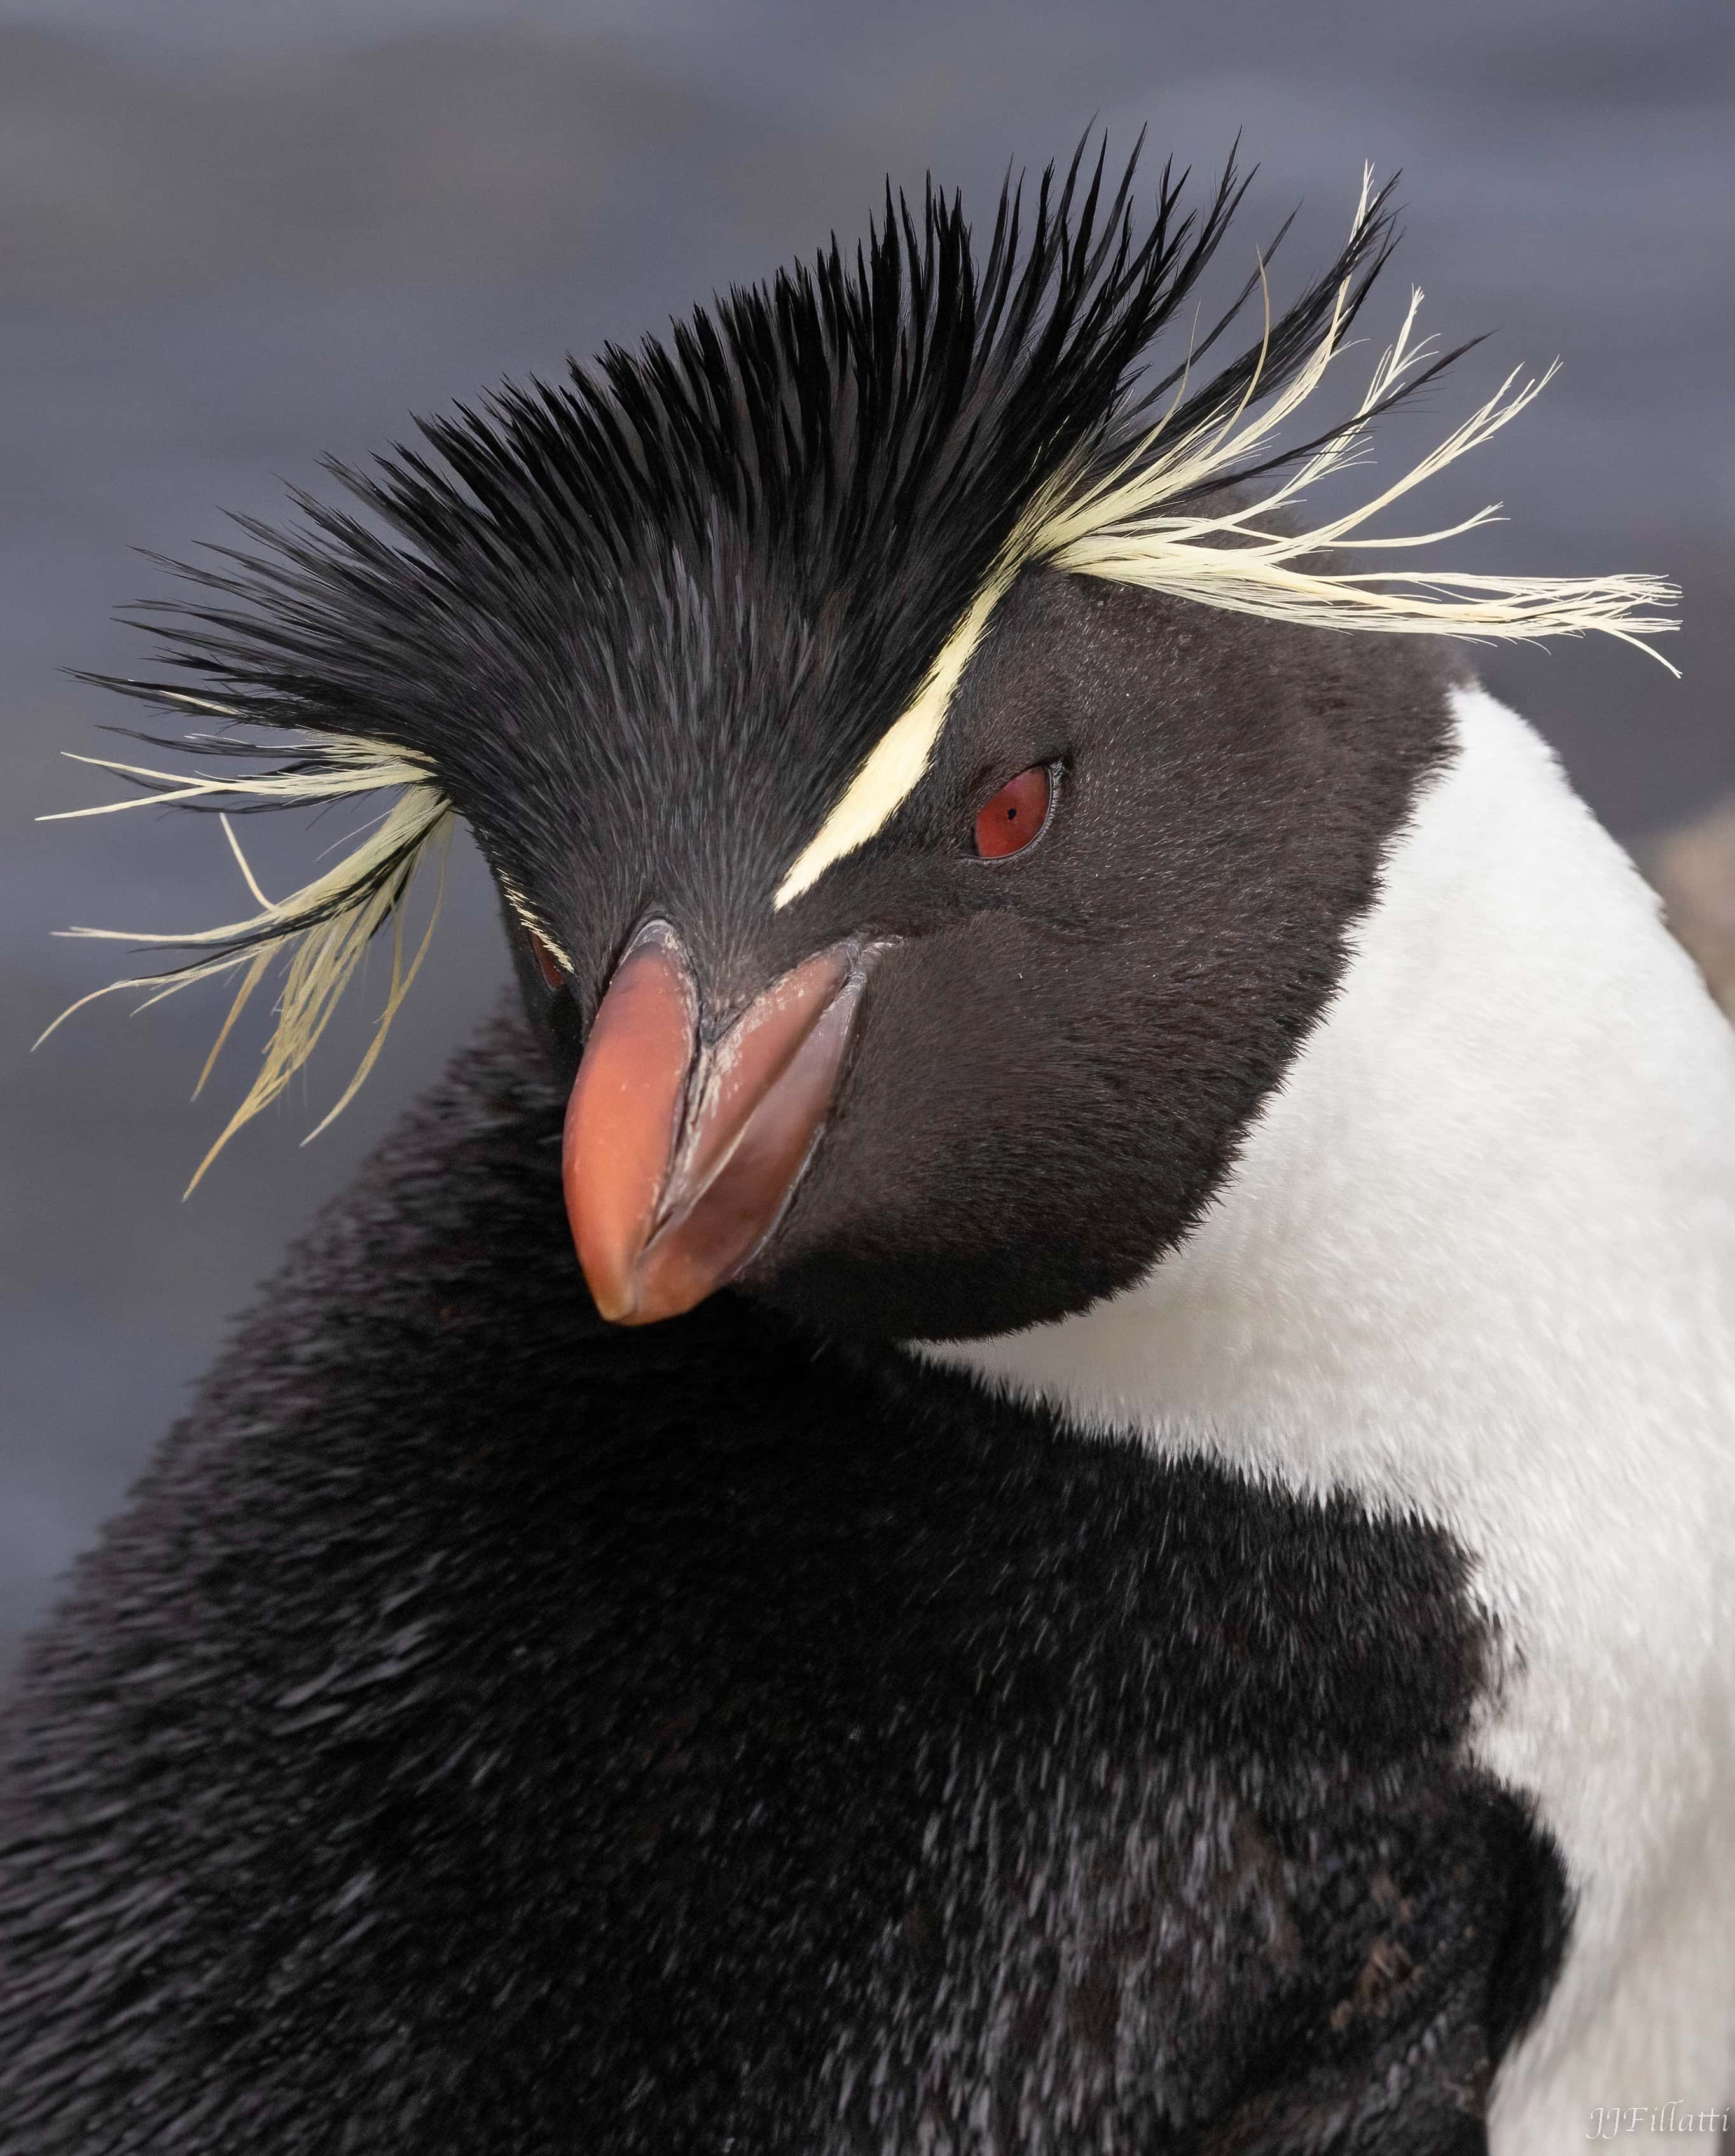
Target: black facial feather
[{"x": 1056, "y": 1067}]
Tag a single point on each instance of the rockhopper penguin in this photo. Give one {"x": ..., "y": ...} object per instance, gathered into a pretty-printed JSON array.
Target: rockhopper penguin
[{"x": 1111, "y": 1544}]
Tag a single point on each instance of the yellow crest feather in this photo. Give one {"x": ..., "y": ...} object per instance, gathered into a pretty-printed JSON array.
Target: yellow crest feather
[
  {"x": 1114, "y": 526},
  {"x": 325, "y": 927}
]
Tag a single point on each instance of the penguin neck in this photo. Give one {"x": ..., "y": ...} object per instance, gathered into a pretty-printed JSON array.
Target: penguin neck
[{"x": 1476, "y": 1262}]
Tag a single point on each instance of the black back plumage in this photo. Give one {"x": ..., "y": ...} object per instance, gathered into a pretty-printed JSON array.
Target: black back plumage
[{"x": 487, "y": 1729}]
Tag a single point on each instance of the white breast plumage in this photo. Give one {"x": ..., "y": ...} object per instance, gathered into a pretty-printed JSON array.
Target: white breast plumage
[{"x": 1476, "y": 1260}]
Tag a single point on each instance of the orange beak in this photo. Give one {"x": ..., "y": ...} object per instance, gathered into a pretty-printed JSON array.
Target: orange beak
[{"x": 679, "y": 1159}]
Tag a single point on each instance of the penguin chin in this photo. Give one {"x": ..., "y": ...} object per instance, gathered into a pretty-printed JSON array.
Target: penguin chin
[{"x": 870, "y": 1296}]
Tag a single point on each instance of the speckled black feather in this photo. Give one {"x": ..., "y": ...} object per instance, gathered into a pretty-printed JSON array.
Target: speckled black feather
[{"x": 487, "y": 1730}]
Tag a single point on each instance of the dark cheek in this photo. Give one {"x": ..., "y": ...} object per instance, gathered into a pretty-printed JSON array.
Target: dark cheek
[{"x": 566, "y": 1024}]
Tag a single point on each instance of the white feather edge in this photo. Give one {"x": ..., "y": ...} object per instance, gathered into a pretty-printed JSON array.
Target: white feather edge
[{"x": 1114, "y": 528}]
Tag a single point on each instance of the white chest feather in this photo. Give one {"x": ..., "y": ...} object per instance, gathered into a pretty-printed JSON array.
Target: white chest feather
[{"x": 1477, "y": 1261}]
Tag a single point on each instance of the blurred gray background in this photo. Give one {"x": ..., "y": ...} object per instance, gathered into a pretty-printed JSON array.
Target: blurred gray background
[{"x": 234, "y": 237}]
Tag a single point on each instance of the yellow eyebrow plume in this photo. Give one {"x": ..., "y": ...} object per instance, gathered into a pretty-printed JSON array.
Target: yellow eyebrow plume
[{"x": 1115, "y": 526}]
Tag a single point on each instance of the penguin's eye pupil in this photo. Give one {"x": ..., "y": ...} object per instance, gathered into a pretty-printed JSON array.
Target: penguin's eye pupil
[
  {"x": 1016, "y": 815},
  {"x": 548, "y": 965}
]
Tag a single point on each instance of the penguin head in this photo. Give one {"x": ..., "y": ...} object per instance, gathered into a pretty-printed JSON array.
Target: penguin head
[
  {"x": 928, "y": 783},
  {"x": 992, "y": 1062}
]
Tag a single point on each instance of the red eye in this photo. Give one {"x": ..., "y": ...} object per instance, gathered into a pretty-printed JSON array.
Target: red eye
[
  {"x": 550, "y": 968},
  {"x": 1016, "y": 815}
]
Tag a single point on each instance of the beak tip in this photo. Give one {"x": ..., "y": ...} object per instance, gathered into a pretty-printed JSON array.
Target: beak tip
[
  {"x": 630, "y": 1292},
  {"x": 629, "y": 1307},
  {"x": 614, "y": 1309},
  {"x": 614, "y": 1284}
]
